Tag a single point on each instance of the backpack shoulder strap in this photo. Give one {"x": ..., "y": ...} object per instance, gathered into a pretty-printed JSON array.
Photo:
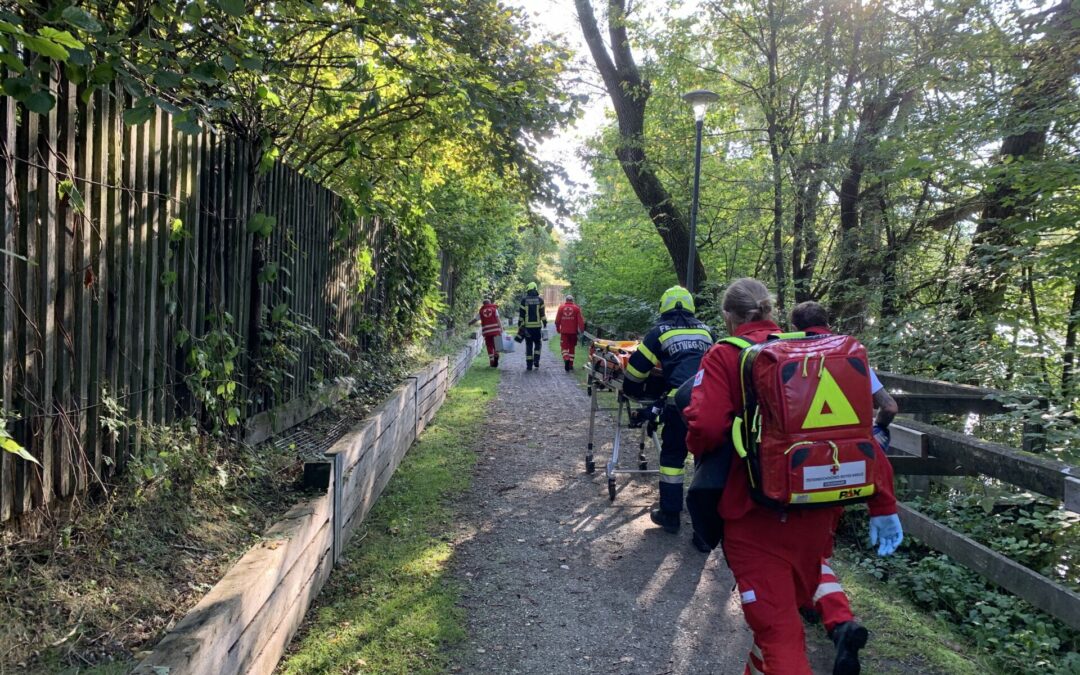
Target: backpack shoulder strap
[{"x": 741, "y": 343}]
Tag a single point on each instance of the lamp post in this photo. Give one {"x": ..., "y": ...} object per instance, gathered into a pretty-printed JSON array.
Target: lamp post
[{"x": 699, "y": 99}]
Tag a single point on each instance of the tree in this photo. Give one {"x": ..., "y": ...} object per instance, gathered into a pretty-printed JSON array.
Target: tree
[{"x": 629, "y": 94}]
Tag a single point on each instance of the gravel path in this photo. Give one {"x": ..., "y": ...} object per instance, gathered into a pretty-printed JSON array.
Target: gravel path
[{"x": 555, "y": 577}]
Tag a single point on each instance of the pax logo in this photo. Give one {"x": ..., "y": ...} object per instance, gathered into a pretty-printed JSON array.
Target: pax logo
[{"x": 851, "y": 494}]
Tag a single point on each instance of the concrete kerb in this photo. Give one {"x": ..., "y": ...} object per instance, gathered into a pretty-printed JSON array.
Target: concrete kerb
[{"x": 234, "y": 617}]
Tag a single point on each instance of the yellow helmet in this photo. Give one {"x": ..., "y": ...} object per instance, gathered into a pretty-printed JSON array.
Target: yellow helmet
[
  {"x": 531, "y": 286},
  {"x": 677, "y": 297}
]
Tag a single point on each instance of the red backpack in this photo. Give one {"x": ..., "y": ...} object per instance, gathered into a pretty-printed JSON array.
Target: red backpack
[{"x": 806, "y": 428}]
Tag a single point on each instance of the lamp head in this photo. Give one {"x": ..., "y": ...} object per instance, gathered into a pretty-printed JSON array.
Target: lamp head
[{"x": 700, "y": 99}]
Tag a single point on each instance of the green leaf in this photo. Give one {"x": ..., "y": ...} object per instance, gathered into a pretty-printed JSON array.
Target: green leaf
[
  {"x": 279, "y": 312},
  {"x": 9, "y": 444},
  {"x": 61, "y": 37},
  {"x": 66, "y": 188},
  {"x": 102, "y": 73},
  {"x": 167, "y": 79},
  {"x": 46, "y": 48},
  {"x": 80, "y": 18},
  {"x": 40, "y": 102},
  {"x": 140, "y": 115},
  {"x": 232, "y": 416},
  {"x": 176, "y": 230},
  {"x": 235, "y": 8}
]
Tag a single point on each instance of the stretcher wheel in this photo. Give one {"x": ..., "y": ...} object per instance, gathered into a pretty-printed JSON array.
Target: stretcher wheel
[
  {"x": 590, "y": 466},
  {"x": 588, "y": 390},
  {"x": 611, "y": 489},
  {"x": 643, "y": 465}
]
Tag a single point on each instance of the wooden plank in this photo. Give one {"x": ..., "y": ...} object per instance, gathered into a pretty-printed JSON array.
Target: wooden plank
[
  {"x": 47, "y": 285},
  {"x": 9, "y": 354},
  {"x": 83, "y": 325},
  {"x": 97, "y": 274},
  {"x": 912, "y": 384},
  {"x": 299, "y": 586},
  {"x": 65, "y": 409},
  {"x": 908, "y": 441},
  {"x": 1044, "y": 593},
  {"x": 116, "y": 245},
  {"x": 1072, "y": 494},
  {"x": 952, "y": 404},
  {"x": 204, "y": 636},
  {"x": 274, "y": 646},
  {"x": 1039, "y": 474},
  {"x": 152, "y": 288},
  {"x": 264, "y": 425},
  {"x": 25, "y": 283},
  {"x": 906, "y": 465}
]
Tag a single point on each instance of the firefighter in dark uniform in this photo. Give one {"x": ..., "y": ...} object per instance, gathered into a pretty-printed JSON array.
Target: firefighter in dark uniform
[
  {"x": 531, "y": 317},
  {"x": 676, "y": 343}
]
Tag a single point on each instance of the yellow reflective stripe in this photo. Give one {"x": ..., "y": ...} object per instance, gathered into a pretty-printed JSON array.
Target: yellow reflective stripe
[
  {"x": 828, "y": 496},
  {"x": 794, "y": 335},
  {"x": 737, "y": 436},
  {"x": 737, "y": 341},
  {"x": 672, "y": 471},
  {"x": 647, "y": 353},
  {"x": 635, "y": 373},
  {"x": 674, "y": 332}
]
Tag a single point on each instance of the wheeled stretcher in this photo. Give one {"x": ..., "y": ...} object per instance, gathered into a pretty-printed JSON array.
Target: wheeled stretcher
[{"x": 606, "y": 367}]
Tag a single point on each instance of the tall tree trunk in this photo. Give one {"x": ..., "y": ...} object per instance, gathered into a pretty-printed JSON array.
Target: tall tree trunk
[
  {"x": 1068, "y": 365},
  {"x": 629, "y": 94},
  {"x": 1053, "y": 62}
]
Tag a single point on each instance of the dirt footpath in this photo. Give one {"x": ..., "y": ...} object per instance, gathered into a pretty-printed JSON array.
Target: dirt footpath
[{"x": 555, "y": 577}]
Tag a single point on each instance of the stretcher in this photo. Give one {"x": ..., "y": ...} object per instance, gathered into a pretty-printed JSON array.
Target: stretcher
[{"x": 605, "y": 374}]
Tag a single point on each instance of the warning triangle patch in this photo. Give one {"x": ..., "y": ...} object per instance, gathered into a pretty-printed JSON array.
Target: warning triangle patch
[{"x": 830, "y": 408}]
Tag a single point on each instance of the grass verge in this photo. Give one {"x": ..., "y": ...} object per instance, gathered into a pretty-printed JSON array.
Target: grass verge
[
  {"x": 390, "y": 607},
  {"x": 904, "y": 640}
]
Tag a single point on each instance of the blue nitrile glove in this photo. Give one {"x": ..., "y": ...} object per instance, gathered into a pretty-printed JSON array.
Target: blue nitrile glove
[
  {"x": 886, "y": 533},
  {"x": 883, "y": 437}
]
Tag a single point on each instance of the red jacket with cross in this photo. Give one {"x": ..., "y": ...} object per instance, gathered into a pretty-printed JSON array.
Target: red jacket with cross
[
  {"x": 568, "y": 319},
  {"x": 716, "y": 401},
  {"x": 489, "y": 319}
]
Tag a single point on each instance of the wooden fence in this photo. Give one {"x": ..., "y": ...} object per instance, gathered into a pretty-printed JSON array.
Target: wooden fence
[{"x": 119, "y": 242}]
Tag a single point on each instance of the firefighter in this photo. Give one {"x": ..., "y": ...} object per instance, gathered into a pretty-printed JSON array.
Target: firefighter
[
  {"x": 490, "y": 328},
  {"x": 676, "y": 344},
  {"x": 531, "y": 317},
  {"x": 569, "y": 324},
  {"x": 776, "y": 556}
]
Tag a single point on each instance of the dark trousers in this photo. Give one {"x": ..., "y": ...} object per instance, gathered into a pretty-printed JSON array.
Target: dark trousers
[
  {"x": 533, "y": 338},
  {"x": 672, "y": 460}
]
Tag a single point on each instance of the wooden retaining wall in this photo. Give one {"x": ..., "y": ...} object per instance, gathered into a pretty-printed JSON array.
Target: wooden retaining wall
[{"x": 244, "y": 623}]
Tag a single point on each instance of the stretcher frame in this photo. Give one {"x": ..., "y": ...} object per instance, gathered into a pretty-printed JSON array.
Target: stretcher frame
[{"x": 604, "y": 380}]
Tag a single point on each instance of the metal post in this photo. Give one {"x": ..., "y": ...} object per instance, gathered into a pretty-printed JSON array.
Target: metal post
[{"x": 699, "y": 124}]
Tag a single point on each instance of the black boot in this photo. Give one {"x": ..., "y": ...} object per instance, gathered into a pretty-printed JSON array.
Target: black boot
[
  {"x": 567, "y": 366},
  {"x": 700, "y": 544},
  {"x": 669, "y": 520},
  {"x": 849, "y": 637}
]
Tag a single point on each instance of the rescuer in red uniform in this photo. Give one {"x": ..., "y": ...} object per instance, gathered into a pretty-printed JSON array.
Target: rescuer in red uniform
[
  {"x": 776, "y": 556},
  {"x": 569, "y": 324},
  {"x": 490, "y": 328}
]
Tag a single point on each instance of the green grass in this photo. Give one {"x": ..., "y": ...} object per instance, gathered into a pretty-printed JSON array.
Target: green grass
[
  {"x": 390, "y": 607},
  {"x": 581, "y": 356},
  {"x": 903, "y": 638}
]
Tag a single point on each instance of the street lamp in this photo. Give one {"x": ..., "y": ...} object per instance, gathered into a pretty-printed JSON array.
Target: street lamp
[{"x": 699, "y": 99}]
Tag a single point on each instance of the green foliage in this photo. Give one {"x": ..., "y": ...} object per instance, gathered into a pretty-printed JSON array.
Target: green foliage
[
  {"x": 9, "y": 444},
  {"x": 1012, "y": 632},
  {"x": 212, "y": 376}
]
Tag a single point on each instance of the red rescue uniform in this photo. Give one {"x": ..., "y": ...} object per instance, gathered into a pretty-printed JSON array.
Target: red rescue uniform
[
  {"x": 491, "y": 329},
  {"x": 568, "y": 323},
  {"x": 777, "y": 558}
]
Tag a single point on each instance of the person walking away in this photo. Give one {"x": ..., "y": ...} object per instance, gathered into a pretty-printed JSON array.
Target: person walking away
[
  {"x": 532, "y": 317},
  {"x": 831, "y": 604},
  {"x": 676, "y": 343},
  {"x": 773, "y": 547},
  {"x": 569, "y": 324},
  {"x": 490, "y": 328}
]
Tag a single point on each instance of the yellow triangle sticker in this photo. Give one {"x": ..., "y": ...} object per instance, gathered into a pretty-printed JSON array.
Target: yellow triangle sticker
[{"x": 830, "y": 408}]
